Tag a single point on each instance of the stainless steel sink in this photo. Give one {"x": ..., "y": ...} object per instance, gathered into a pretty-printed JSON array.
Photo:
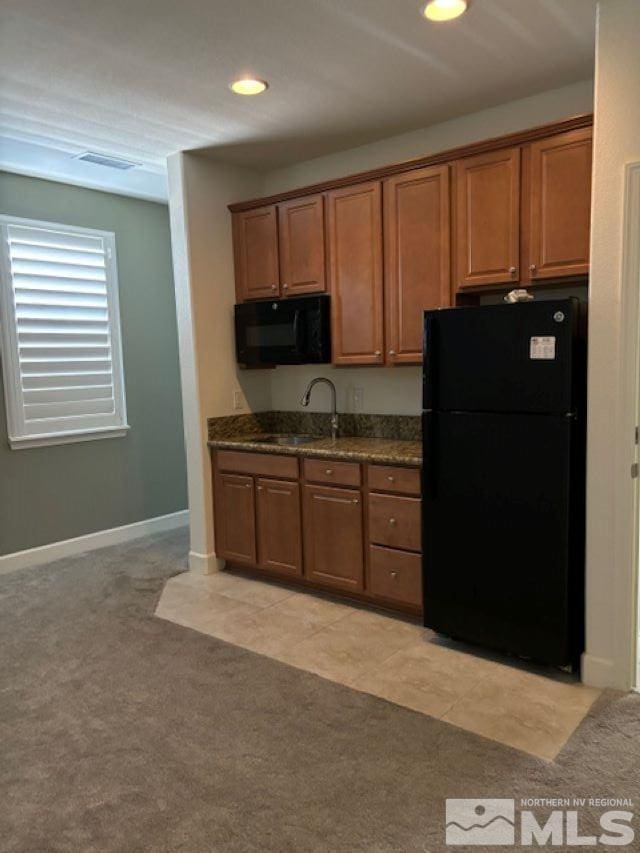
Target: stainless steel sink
[{"x": 288, "y": 439}]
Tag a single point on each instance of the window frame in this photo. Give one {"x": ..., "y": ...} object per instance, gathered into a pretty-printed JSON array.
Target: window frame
[{"x": 18, "y": 437}]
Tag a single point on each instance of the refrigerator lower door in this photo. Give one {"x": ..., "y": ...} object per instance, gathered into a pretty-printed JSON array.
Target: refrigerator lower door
[{"x": 502, "y": 512}]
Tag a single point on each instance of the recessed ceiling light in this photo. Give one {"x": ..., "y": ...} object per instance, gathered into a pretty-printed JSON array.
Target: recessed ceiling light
[
  {"x": 248, "y": 86},
  {"x": 444, "y": 10}
]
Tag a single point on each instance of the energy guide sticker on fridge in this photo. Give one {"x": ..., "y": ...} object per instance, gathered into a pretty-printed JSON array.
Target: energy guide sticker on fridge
[{"x": 542, "y": 348}]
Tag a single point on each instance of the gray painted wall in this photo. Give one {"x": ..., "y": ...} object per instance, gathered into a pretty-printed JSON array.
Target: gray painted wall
[{"x": 53, "y": 493}]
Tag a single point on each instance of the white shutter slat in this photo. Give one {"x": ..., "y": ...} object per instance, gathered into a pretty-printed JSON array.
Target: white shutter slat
[
  {"x": 35, "y": 352},
  {"x": 53, "y": 270},
  {"x": 66, "y": 380},
  {"x": 60, "y": 297},
  {"x": 66, "y": 409},
  {"x": 27, "y": 339},
  {"x": 69, "y": 366},
  {"x": 62, "y": 301},
  {"x": 62, "y": 327},
  {"x": 54, "y": 395},
  {"x": 41, "y": 283},
  {"x": 24, "y": 252},
  {"x": 33, "y": 236},
  {"x": 59, "y": 312}
]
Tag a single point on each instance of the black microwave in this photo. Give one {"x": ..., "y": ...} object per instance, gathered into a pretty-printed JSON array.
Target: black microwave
[{"x": 283, "y": 331}]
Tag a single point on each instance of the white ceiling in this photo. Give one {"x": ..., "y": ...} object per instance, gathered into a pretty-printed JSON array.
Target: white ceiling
[{"x": 145, "y": 78}]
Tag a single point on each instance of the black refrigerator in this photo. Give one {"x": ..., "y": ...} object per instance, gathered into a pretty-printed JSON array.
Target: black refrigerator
[{"x": 504, "y": 393}]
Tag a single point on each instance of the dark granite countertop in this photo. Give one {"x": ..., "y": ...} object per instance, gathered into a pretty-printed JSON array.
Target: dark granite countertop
[{"x": 349, "y": 448}]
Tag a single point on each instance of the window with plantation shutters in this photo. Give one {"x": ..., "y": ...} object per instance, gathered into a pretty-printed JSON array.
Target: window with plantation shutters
[{"x": 60, "y": 333}]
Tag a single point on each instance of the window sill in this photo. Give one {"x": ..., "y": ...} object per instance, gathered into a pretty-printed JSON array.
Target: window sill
[{"x": 28, "y": 441}]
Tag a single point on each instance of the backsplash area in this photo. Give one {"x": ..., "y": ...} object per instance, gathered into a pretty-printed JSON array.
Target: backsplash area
[
  {"x": 398, "y": 427},
  {"x": 383, "y": 390}
]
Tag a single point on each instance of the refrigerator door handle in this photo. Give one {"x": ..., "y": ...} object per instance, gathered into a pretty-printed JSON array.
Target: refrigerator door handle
[
  {"x": 428, "y": 457},
  {"x": 428, "y": 372}
]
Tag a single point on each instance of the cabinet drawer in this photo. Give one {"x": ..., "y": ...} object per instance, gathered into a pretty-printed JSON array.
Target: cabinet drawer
[
  {"x": 329, "y": 471},
  {"x": 385, "y": 478},
  {"x": 395, "y": 575},
  {"x": 262, "y": 464},
  {"x": 395, "y": 521}
]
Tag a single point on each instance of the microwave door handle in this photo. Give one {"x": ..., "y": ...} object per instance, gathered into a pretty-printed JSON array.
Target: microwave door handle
[{"x": 296, "y": 330}]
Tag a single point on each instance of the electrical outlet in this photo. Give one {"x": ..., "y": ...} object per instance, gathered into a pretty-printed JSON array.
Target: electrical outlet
[
  {"x": 358, "y": 399},
  {"x": 239, "y": 400}
]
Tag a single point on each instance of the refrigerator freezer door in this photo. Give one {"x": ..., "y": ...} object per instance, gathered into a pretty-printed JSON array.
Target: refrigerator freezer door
[
  {"x": 503, "y": 358},
  {"x": 501, "y": 533}
]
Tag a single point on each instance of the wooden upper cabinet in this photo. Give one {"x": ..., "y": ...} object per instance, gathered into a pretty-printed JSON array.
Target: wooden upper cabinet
[
  {"x": 487, "y": 215},
  {"x": 417, "y": 257},
  {"x": 279, "y": 526},
  {"x": 560, "y": 205},
  {"x": 355, "y": 273},
  {"x": 302, "y": 246},
  {"x": 333, "y": 537},
  {"x": 235, "y": 518},
  {"x": 255, "y": 241}
]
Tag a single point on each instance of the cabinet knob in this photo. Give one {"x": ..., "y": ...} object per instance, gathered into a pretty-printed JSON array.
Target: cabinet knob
[
  {"x": 532, "y": 268},
  {"x": 394, "y": 575},
  {"x": 260, "y": 488},
  {"x": 328, "y": 470},
  {"x": 285, "y": 286},
  {"x": 247, "y": 485},
  {"x": 391, "y": 479},
  {"x": 392, "y": 522},
  {"x": 273, "y": 287},
  {"x": 512, "y": 270},
  {"x": 356, "y": 501},
  {"x": 392, "y": 352},
  {"x": 377, "y": 352}
]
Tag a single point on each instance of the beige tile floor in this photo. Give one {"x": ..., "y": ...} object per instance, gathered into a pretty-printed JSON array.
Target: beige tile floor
[{"x": 385, "y": 656}]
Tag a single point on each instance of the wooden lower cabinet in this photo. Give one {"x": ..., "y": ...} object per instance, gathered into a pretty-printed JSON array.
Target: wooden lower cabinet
[
  {"x": 326, "y": 523},
  {"x": 395, "y": 575},
  {"x": 333, "y": 537},
  {"x": 279, "y": 526},
  {"x": 235, "y": 518}
]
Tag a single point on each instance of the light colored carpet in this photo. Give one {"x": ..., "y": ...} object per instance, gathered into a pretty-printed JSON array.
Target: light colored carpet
[{"x": 123, "y": 732}]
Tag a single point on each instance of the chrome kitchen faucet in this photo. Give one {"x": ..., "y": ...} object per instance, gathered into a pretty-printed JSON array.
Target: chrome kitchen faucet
[{"x": 334, "y": 412}]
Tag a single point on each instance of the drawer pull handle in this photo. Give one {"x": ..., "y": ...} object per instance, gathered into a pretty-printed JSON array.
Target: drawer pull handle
[
  {"x": 392, "y": 521},
  {"x": 391, "y": 479},
  {"x": 394, "y": 575},
  {"x": 328, "y": 471},
  {"x": 356, "y": 501}
]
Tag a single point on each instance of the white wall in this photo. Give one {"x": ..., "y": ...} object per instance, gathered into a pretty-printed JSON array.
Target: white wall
[
  {"x": 199, "y": 191},
  {"x": 397, "y": 390},
  {"x": 611, "y": 523},
  {"x": 517, "y": 115}
]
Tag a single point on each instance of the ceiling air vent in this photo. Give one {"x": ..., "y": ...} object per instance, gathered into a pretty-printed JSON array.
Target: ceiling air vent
[{"x": 105, "y": 160}]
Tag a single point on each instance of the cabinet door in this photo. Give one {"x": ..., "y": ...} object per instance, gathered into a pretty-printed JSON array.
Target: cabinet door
[
  {"x": 279, "y": 527},
  {"x": 560, "y": 196},
  {"x": 255, "y": 241},
  {"x": 487, "y": 213},
  {"x": 235, "y": 518},
  {"x": 302, "y": 247},
  {"x": 355, "y": 269},
  {"x": 417, "y": 258},
  {"x": 333, "y": 545}
]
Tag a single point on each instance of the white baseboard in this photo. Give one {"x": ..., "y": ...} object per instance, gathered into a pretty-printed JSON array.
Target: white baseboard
[
  {"x": 600, "y": 672},
  {"x": 204, "y": 564},
  {"x": 91, "y": 541}
]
